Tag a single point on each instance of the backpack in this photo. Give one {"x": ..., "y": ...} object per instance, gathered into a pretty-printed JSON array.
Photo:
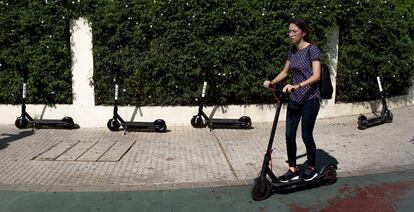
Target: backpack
[{"x": 325, "y": 83}]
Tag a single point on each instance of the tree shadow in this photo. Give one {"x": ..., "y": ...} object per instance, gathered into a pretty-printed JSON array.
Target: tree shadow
[{"x": 4, "y": 142}]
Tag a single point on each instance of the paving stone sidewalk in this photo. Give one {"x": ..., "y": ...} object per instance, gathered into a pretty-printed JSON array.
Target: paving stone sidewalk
[{"x": 184, "y": 157}]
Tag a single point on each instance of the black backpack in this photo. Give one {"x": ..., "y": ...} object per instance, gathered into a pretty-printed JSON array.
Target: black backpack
[{"x": 325, "y": 83}]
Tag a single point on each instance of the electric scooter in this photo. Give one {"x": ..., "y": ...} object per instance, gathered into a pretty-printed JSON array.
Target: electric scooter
[
  {"x": 25, "y": 120},
  {"x": 117, "y": 121},
  {"x": 201, "y": 119},
  {"x": 263, "y": 188},
  {"x": 384, "y": 117}
]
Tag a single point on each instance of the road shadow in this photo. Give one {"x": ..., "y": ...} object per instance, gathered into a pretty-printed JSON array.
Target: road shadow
[
  {"x": 4, "y": 142},
  {"x": 323, "y": 159}
]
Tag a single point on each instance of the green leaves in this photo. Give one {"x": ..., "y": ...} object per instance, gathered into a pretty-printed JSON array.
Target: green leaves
[
  {"x": 375, "y": 41},
  {"x": 160, "y": 47},
  {"x": 34, "y": 37},
  {"x": 159, "y": 50}
]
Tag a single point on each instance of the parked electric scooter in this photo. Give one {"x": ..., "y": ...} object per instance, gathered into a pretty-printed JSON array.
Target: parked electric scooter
[
  {"x": 115, "y": 122},
  {"x": 263, "y": 188},
  {"x": 25, "y": 120},
  {"x": 384, "y": 117},
  {"x": 201, "y": 119}
]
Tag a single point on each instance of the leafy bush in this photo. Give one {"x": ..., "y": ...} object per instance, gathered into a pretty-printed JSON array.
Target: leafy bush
[
  {"x": 160, "y": 50},
  {"x": 34, "y": 36},
  {"x": 376, "y": 39}
]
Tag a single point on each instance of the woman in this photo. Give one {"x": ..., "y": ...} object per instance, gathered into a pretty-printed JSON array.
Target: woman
[{"x": 303, "y": 63}]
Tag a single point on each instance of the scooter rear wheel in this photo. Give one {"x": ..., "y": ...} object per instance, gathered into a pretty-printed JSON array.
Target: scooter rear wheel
[
  {"x": 113, "y": 124},
  {"x": 21, "y": 122},
  {"x": 246, "y": 120},
  {"x": 68, "y": 120},
  {"x": 329, "y": 176},
  {"x": 160, "y": 125},
  {"x": 389, "y": 117},
  {"x": 261, "y": 190}
]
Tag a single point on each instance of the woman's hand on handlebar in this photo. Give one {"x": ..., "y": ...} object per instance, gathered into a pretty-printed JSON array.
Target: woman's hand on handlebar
[
  {"x": 266, "y": 84},
  {"x": 290, "y": 88}
]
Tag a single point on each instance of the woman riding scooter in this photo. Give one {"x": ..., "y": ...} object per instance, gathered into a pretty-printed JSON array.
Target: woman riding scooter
[{"x": 303, "y": 63}]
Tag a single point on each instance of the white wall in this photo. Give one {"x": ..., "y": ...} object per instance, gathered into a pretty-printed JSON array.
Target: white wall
[{"x": 86, "y": 114}]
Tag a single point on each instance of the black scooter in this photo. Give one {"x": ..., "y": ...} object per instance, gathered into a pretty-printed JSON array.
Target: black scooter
[
  {"x": 115, "y": 122},
  {"x": 201, "y": 119},
  {"x": 25, "y": 120},
  {"x": 263, "y": 188},
  {"x": 384, "y": 117}
]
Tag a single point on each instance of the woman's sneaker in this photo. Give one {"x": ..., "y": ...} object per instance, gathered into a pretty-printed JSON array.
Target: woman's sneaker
[
  {"x": 289, "y": 176},
  {"x": 309, "y": 174}
]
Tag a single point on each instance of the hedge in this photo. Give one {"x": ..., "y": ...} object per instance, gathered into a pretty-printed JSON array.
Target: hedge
[
  {"x": 376, "y": 39},
  {"x": 34, "y": 37},
  {"x": 159, "y": 50}
]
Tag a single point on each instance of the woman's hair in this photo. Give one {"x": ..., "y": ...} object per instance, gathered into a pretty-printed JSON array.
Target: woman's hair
[{"x": 303, "y": 26}]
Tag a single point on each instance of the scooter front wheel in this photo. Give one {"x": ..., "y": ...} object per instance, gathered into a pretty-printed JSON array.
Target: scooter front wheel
[
  {"x": 113, "y": 124},
  {"x": 197, "y": 121},
  {"x": 261, "y": 190},
  {"x": 389, "y": 117},
  {"x": 21, "y": 122}
]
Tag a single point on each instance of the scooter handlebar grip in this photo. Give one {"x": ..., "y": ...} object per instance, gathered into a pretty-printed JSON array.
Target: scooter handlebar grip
[
  {"x": 116, "y": 91},
  {"x": 203, "y": 93},
  {"x": 24, "y": 90},
  {"x": 379, "y": 83}
]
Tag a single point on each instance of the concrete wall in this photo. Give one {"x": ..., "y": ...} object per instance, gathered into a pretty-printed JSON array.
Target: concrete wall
[{"x": 86, "y": 114}]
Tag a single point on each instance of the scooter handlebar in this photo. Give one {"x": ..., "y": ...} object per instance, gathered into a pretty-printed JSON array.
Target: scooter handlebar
[
  {"x": 277, "y": 92},
  {"x": 276, "y": 88}
]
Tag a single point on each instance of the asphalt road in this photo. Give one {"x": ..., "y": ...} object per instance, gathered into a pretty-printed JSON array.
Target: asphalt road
[{"x": 375, "y": 192}]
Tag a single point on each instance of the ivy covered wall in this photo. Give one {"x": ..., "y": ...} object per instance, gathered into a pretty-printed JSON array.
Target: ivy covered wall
[
  {"x": 159, "y": 50},
  {"x": 376, "y": 39},
  {"x": 34, "y": 37}
]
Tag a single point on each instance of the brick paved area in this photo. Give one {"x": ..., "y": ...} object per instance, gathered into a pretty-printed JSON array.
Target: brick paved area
[{"x": 184, "y": 157}]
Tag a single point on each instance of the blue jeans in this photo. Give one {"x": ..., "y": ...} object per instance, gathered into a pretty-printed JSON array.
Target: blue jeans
[{"x": 308, "y": 111}]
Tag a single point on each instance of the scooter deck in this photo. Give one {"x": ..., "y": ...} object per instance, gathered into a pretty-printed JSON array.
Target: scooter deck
[
  {"x": 138, "y": 124},
  {"x": 224, "y": 121},
  {"x": 374, "y": 121},
  {"x": 217, "y": 123},
  {"x": 279, "y": 186},
  {"x": 51, "y": 123}
]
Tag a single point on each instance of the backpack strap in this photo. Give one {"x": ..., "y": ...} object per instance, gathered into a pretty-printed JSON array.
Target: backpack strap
[
  {"x": 310, "y": 59},
  {"x": 309, "y": 56}
]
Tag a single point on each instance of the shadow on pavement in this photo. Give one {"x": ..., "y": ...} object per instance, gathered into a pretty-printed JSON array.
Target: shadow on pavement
[
  {"x": 4, "y": 142},
  {"x": 322, "y": 159}
]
